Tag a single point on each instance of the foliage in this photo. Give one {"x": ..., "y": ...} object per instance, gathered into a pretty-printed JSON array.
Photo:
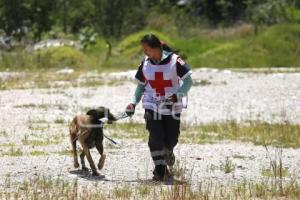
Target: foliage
[
  {"x": 131, "y": 44},
  {"x": 117, "y": 18},
  {"x": 87, "y": 37},
  {"x": 62, "y": 57},
  {"x": 277, "y": 46},
  {"x": 209, "y": 33}
]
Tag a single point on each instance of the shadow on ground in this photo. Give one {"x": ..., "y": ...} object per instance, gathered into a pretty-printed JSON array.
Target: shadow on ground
[{"x": 88, "y": 176}]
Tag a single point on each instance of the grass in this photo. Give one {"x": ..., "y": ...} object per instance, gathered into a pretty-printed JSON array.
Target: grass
[
  {"x": 228, "y": 166},
  {"x": 259, "y": 133},
  {"x": 42, "y": 106},
  {"x": 40, "y": 78},
  {"x": 268, "y": 172},
  {"x": 234, "y": 47},
  {"x": 39, "y": 127},
  {"x": 179, "y": 170},
  {"x": 128, "y": 131},
  {"x": 277, "y": 46},
  {"x": 65, "y": 153},
  {"x": 13, "y": 151},
  {"x": 42, "y": 187},
  {"x": 37, "y": 121},
  {"x": 39, "y": 142},
  {"x": 59, "y": 121},
  {"x": 123, "y": 192},
  {"x": 38, "y": 153},
  {"x": 143, "y": 190},
  {"x": 7, "y": 144},
  {"x": 201, "y": 82},
  {"x": 50, "y": 79},
  {"x": 3, "y": 133},
  {"x": 31, "y": 105}
]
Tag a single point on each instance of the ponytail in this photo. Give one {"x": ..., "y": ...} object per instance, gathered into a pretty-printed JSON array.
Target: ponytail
[{"x": 152, "y": 41}]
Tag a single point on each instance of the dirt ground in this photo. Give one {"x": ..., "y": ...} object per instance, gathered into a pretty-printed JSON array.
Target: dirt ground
[{"x": 34, "y": 114}]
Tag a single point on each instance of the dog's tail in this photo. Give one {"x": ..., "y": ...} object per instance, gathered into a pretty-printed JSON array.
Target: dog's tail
[{"x": 73, "y": 128}]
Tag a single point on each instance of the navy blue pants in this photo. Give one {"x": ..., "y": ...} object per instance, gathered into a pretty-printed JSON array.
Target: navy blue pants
[{"x": 164, "y": 131}]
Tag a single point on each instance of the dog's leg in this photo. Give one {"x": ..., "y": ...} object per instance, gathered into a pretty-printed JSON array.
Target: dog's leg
[
  {"x": 99, "y": 147},
  {"x": 82, "y": 161},
  {"x": 73, "y": 141},
  {"x": 89, "y": 158}
]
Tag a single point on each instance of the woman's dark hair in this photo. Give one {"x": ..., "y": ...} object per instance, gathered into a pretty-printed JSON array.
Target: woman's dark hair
[{"x": 152, "y": 41}]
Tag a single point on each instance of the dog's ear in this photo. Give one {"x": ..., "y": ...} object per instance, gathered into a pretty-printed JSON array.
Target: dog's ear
[
  {"x": 101, "y": 112},
  {"x": 111, "y": 117},
  {"x": 106, "y": 113}
]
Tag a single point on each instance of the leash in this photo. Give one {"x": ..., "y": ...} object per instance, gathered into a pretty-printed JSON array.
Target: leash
[
  {"x": 119, "y": 116},
  {"x": 104, "y": 120},
  {"x": 114, "y": 142}
]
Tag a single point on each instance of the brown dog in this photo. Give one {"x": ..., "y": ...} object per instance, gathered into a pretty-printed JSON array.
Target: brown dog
[{"x": 88, "y": 130}]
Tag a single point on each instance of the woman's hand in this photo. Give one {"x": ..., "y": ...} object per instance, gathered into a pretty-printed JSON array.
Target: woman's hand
[
  {"x": 130, "y": 109},
  {"x": 170, "y": 101}
]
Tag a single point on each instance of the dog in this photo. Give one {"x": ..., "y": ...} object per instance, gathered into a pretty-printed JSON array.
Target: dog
[{"x": 88, "y": 130}]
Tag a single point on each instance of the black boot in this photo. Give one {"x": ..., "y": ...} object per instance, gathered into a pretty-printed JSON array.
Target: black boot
[{"x": 161, "y": 173}]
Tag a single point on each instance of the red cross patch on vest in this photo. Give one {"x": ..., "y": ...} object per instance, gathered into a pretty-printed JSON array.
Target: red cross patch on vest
[{"x": 159, "y": 84}]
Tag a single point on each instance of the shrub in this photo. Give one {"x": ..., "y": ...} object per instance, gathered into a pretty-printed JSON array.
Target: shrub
[{"x": 57, "y": 57}]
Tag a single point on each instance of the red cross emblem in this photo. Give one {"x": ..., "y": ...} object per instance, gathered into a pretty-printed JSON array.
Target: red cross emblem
[{"x": 159, "y": 84}]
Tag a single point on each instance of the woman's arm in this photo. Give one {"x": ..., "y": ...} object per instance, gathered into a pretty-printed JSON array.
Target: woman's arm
[
  {"x": 185, "y": 87},
  {"x": 139, "y": 91}
]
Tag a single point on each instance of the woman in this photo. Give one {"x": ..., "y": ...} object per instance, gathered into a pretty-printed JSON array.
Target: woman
[{"x": 163, "y": 78}]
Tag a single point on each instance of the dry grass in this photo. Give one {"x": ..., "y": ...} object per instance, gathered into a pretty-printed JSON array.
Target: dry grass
[
  {"x": 46, "y": 188},
  {"x": 259, "y": 133},
  {"x": 13, "y": 151},
  {"x": 55, "y": 81}
]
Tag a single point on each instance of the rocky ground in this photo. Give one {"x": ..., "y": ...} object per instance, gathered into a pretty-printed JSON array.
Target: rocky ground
[{"x": 42, "y": 114}]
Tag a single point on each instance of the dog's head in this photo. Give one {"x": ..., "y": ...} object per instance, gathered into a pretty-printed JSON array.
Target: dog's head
[{"x": 101, "y": 112}]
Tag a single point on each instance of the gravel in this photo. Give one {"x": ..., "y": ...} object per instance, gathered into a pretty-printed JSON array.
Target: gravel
[{"x": 216, "y": 96}]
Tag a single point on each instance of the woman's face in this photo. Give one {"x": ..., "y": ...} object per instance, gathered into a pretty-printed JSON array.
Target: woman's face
[{"x": 152, "y": 53}]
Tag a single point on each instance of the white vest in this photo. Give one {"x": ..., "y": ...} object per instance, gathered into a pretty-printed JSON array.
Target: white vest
[{"x": 161, "y": 82}]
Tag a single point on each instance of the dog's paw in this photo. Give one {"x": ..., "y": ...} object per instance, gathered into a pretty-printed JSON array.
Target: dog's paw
[
  {"x": 76, "y": 165},
  {"x": 101, "y": 162},
  {"x": 95, "y": 173},
  {"x": 85, "y": 168}
]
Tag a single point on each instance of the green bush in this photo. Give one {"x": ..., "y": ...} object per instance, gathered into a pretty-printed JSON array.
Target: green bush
[
  {"x": 128, "y": 52},
  {"x": 282, "y": 44},
  {"x": 130, "y": 46},
  {"x": 277, "y": 46},
  {"x": 293, "y": 14},
  {"x": 18, "y": 59},
  {"x": 98, "y": 53},
  {"x": 57, "y": 57},
  {"x": 195, "y": 46}
]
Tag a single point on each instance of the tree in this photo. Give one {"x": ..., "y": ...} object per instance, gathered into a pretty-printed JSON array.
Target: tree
[
  {"x": 14, "y": 17},
  {"x": 40, "y": 17},
  {"x": 113, "y": 18}
]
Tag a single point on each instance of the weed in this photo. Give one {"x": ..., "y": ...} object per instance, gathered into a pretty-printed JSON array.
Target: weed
[
  {"x": 13, "y": 152},
  {"x": 38, "y": 153},
  {"x": 60, "y": 121},
  {"x": 201, "y": 83},
  {"x": 228, "y": 166},
  {"x": 122, "y": 192}
]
